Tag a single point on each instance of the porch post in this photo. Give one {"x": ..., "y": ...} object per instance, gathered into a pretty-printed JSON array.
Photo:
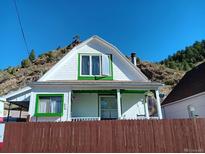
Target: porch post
[
  {"x": 69, "y": 106},
  {"x": 159, "y": 109},
  {"x": 9, "y": 112},
  {"x": 119, "y": 103},
  {"x": 146, "y": 108}
]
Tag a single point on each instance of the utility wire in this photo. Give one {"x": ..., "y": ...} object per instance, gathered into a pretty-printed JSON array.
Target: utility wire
[{"x": 22, "y": 31}]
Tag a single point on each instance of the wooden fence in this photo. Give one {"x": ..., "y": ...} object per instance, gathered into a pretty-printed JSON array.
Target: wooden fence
[{"x": 106, "y": 136}]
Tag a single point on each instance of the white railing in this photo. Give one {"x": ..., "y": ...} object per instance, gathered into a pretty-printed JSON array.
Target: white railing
[
  {"x": 123, "y": 118},
  {"x": 139, "y": 118},
  {"x": 85, "y": 118},
  {"x": 154, "y": 118}
]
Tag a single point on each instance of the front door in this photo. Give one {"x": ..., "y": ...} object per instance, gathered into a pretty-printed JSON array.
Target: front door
[{"x": 108, "y": 107}]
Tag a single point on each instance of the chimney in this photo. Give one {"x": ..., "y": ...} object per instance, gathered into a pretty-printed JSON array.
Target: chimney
[{"x": 133, "y": 58}]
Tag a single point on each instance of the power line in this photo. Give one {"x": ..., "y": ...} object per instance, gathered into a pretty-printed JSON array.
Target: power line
[{"x": 22, "y": 31}]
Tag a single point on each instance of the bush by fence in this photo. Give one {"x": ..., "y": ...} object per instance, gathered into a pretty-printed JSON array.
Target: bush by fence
[{"x": 106, "y": 136}]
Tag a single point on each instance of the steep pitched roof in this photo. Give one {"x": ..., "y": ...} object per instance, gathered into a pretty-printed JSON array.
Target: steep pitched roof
[
  {"x": 191, "y": 84},
  {"x": 97, "y": 38}
]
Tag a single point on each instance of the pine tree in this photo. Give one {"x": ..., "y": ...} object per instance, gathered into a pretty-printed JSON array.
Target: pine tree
[{"x": 32, "y": 56}]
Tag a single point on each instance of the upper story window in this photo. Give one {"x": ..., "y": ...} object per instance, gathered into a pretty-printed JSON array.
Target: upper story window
[
  {"x": 95, "y": 65},
  {"x": 85, "y": 65}
]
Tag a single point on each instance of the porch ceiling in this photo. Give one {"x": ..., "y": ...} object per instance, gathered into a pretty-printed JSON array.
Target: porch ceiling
[{"x": 84, "y": 84}]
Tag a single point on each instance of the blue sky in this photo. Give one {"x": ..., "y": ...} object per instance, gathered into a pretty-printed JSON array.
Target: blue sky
[{"x": 153, "y": 29}]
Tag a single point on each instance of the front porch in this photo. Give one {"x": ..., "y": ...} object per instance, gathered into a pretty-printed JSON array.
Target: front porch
[
  {"x": 94, "y": 100},
  {"x": 92, "y": 105}
]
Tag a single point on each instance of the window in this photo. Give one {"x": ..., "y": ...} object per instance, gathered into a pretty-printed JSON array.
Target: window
[
  {"x": 49, "y": 104},
  {"x": 105, "y": 65},
  {"x": 85, "y": 65},
  {"x": 95, "y": 65}
]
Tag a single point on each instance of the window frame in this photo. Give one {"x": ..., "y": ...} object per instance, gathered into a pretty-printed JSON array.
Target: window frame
[
  {"x": 90, "y": 76},
  {"x": 37, "y": 114}
]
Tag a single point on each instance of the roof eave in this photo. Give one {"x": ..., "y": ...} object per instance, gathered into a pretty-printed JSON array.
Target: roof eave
[{"x": 110, "y": 85}]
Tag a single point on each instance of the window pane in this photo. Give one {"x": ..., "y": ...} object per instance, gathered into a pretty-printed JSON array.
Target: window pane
[
  {"x": 85, "y": 65},
  {"x": 105, "y": 65},
  {"x": 50, "y": 104},
  {"x": 55, "y": 104},
  {"x": 43, "y": 102},
  {"x": 95, "y": 65}
]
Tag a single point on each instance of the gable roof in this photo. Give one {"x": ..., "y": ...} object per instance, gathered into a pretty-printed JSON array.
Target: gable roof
[
  {"x": 97, "y": 38},
  {"x": 191, "y": 84}
]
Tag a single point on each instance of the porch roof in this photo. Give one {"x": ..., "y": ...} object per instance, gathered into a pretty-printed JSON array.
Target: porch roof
[{"x": 76, "y": 84}]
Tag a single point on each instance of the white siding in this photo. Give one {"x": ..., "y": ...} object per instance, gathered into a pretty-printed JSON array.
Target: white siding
[
  {"x": 68, "y": 68},
  {"x": 48, "y": 91},
  {"x": 85, "y": 105},
  {"x": 179, "y": 110},
  {"x": 133, "y": 105}
]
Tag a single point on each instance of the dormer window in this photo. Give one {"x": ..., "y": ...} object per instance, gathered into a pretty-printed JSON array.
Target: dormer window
[
  {"x": 85, "y": 65},
  {"x": 96, "y": 61},
  {"x": 95, "y": 66}
]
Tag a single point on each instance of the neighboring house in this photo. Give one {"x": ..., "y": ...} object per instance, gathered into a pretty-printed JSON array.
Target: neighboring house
[
  {"x": 16, "y": 104},
  {"x": 187, "y": 99},
  {"x": 94, "y": 81}
]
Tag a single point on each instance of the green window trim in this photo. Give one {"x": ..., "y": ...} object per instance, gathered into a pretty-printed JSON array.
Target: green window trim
[
  {"x": 88, "y": 77},
  {"x": 48, "y": 114}
]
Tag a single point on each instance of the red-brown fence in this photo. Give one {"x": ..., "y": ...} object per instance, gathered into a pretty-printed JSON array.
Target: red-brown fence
[{"x": 106, "y": 136}]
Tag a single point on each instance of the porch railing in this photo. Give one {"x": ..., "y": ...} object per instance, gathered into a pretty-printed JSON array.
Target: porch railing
[
  {"x": 85, "y": 118},
  {"x": 139, "y": 118},
  {"x": 98, "y": 118}
]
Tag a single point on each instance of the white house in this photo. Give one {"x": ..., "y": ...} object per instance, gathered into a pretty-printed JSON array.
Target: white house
[
  {"x": 94, "y": 81},
  {"x": 187, "y": 99}
]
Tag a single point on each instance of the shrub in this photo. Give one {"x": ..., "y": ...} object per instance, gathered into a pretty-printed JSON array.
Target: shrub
[
  {"x": 25, "y": 63},
  {"x": 11, "y": 70},
  {"x": 169, "y": 82},
  {"x": 50, "y": 56}
]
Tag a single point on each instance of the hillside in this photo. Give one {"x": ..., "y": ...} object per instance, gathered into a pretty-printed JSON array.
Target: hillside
[
  {"x": 14, "y": 78},
  {"x": 187, "y": 58},
  {"x": 162, "y": 74}
]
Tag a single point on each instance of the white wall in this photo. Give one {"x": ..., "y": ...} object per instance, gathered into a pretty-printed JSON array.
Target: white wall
[
  {"x": 179, "y": 110},
  {"x": 68, "y": 69},
  {"x": 84, "y": 105},
  {"x": 133, "y": 105},
  {"x": 48, "y": 91},
  {"x": 87, "y": 105}
]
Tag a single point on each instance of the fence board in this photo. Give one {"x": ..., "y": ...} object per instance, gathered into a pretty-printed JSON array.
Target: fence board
[{"x": 186, "y": 135}]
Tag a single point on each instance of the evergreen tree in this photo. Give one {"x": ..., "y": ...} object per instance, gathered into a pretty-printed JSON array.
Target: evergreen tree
[
  {"x": 187, "y": 58},
  {"x": 32, "y": 56}
]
